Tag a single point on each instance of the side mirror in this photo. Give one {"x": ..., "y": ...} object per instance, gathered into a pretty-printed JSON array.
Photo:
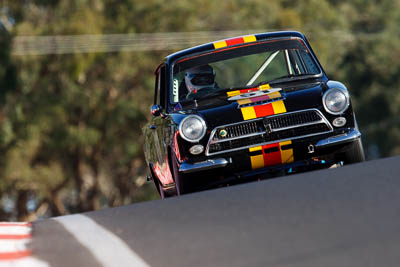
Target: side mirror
[{"x": 156, "y": 110}]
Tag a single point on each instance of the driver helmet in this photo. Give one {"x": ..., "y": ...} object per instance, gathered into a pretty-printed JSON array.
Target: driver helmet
[{"x": 199, "y": 77}]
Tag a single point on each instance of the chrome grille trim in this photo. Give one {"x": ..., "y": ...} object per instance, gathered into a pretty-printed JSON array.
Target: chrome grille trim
[{"x": 275, "y": 121}]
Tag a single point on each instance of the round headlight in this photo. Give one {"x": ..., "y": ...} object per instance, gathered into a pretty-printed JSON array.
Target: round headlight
[
  {"x": 192, "y": 128},
  {"x": 336, "y": 101}
]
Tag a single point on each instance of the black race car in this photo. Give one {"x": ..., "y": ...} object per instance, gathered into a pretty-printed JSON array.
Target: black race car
[{"x": 244, "y": 108}]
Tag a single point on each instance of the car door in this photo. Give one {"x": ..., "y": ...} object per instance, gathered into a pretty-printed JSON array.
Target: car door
[{"x": 160, "y": 131}]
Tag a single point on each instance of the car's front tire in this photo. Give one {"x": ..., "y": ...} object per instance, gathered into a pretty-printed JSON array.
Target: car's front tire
[
  {"x": 161, "y": 191},
  {"x": 181, "y": 183}
]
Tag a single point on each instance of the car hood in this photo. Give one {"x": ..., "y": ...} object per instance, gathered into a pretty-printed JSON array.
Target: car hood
[{"x": 224, "y": 109}]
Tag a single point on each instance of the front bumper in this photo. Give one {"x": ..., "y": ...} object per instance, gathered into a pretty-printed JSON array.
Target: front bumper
[
  {"x": 203, "y": 165},
  {"x": 348, "y": 136}
]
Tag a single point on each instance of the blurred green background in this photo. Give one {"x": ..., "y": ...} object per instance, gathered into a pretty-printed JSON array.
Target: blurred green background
[{"x": 76, "y": 84}]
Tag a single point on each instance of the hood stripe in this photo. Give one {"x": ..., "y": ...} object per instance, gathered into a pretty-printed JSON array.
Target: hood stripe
[
  {"x": 271, "y": 154},
  {"x": 279, "y": 107},
  {"x": 259, "y": 111},
  {"x": 263, "y": 110},
  {"x": 248, "y": 113}
]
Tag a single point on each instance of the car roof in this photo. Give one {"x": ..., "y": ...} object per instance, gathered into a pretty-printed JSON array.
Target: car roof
[{"x": 233, "y": 41}]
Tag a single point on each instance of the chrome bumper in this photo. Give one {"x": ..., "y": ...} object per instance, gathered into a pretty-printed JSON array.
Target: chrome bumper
[
  {"x": 203, "y": 166},
  {"x": 350, "y": 136}
]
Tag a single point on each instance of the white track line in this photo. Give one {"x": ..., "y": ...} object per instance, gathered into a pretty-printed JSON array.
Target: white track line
[{"x": 105, "y": 246}]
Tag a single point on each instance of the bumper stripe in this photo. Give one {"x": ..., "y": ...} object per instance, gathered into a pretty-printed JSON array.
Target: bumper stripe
[
  {"x": 287, "y": 154},
  {"x": 261, "y": 159},
  {"x": 273, "y": 158},
  {"x": 257, "y": 161}
]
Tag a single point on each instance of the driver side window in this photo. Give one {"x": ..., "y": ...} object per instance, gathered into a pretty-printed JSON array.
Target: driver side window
[{"x": 159, "y": 97}]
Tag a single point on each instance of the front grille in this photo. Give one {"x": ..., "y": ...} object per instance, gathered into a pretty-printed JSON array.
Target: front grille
[
  {"x": 238, "y": 130},
  {"x": 294, "y": 119},
  {"x": 266, "y": 130}
]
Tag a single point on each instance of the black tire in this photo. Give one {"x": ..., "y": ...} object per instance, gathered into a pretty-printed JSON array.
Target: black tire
[
  {"x": 355, "y": 153},
  {"x": 179, "y": 178},
  {"x": 161, "y": 191}
]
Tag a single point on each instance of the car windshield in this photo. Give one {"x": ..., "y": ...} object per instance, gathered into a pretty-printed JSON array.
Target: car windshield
[{"x": 245, "y": 66}]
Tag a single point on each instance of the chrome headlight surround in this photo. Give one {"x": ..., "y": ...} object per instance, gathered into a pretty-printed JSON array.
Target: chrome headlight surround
[
  {"x": 192, "y": 128},
  {"x": 336, "y": 100}
]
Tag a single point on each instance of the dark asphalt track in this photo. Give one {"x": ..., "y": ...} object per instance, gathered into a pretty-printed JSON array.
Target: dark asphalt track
[{"x": 348, "y": 216}]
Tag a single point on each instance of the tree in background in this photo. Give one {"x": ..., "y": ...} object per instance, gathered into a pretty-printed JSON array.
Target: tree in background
[
  {"x": 11, "y": 124},
  {"x": 82, "y": 149},
  {"x": 70, "y": 125},
  {"x": 371, "y": 66}
]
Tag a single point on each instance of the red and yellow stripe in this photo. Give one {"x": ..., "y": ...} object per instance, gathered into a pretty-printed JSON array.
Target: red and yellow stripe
[
  {"x": 253, "y": 112},
  {"x": 248, "y": 90},
  {"x": 235, "y": 41},
  {"x": 259, "y": 111},
  {"x": 271, "y": 154}
]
